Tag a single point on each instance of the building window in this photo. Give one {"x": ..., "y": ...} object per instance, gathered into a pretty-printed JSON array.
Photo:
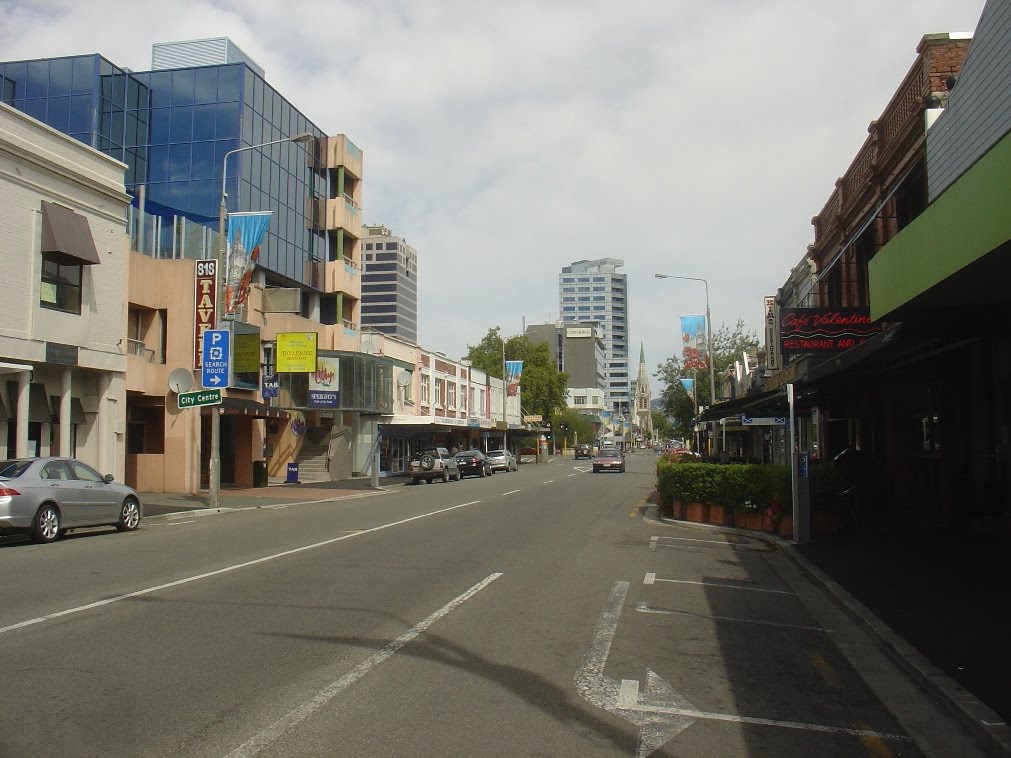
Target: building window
[
  {"x": 451, "y": 395},
  {"x": 426, "y": 388},
  {"x": 61, "y": 284}
]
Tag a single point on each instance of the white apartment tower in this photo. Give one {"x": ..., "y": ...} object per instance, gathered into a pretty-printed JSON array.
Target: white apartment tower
[
  {"x": 389, "y": 284},
  {"x": 595, "y": 291}
]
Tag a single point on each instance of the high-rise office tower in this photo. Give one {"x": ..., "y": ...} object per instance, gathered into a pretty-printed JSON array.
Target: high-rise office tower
[
  {"x": 389, "y": 284},
  {"x": 595, "y": 291}
]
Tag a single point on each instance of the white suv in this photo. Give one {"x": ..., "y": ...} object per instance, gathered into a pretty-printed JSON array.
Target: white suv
[{"x": 433, "y": 463}]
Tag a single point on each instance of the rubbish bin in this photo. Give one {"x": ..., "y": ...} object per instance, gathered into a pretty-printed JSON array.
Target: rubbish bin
[{"x": 259, "y": 474}]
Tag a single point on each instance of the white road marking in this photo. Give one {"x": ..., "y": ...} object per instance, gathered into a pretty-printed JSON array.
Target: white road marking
[
  {"x": 660, "y": 699},
  {"x": 695, "y": 539},
  {"x": 628, "y": 693},
  {"x": 510, "y": 492},
  {"x": 691, "y": 713},
  {"x": 643, "y": 608},
  {"x": 550, "y": 481},
  {"x": 653, "y": 542},
  {"x": 649, "y": 579},
  {"x": 328, "y": 693},
  {"x": 173, "y": 523},
  {"x": 227, "y": 569},
  {"x": 716, "y": 584},
  {"x": 273, "y": 507}
]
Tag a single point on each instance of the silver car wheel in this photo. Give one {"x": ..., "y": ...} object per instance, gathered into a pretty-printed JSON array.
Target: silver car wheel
[
  {"x": 47, "y": 524},
  {"x": 129, "y": 515}
]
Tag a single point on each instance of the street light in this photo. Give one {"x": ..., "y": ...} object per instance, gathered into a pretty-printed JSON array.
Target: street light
[
  {"x": 709, "y": 341},
  {"x": 214, "y": 467}
]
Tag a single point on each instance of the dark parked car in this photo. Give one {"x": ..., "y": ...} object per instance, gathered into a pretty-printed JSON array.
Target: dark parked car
[
  {"x": 584, "y": 451},
  {"x": 47, "y": 497},
  {"x": 433, "y": 463},
  {"x": 473, "y": 463},
  {"x": 609, "y": 459}
]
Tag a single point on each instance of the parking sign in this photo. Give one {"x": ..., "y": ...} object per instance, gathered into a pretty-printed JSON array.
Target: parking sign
[{"x": 217, "y": 351}]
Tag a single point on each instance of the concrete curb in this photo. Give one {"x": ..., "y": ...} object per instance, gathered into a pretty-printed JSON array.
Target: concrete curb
[
  {"x": 979, "y": 719},
  {"x": 988, "y": 727}
]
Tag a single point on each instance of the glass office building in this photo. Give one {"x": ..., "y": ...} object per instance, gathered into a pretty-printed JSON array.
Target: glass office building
[
  {"x": 389, "y": 284},
  {"x": 173, "y": 128},
  {"x": 594, "y": 290}
]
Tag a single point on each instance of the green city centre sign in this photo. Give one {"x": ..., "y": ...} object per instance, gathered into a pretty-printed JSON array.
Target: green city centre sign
[{"x": 196, "y": 399}]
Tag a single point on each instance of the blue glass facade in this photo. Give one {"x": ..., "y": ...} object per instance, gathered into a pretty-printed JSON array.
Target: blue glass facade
[{"x": 173, "y": 129}]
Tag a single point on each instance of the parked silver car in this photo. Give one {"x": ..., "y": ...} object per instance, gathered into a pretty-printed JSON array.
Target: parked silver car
[
  {"x": 49, "y": 496},
  {"x": 501, "y": 460}
]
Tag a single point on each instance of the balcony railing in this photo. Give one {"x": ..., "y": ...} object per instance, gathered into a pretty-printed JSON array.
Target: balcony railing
[{"x": 138, "y": 348}]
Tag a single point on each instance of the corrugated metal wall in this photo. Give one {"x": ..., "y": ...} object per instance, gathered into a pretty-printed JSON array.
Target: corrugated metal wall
[{"x": 978, "y": 114}]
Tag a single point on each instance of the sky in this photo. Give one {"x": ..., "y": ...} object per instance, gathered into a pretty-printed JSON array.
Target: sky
[{"x": 505, "y": 140}]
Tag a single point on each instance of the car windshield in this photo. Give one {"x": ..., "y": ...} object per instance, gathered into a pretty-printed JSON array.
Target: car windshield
[
  {"x": 496, "y": 453},
  {"x": 426, "y": 451},
  {"x": 13, "y": 469},
  {"x": 471, "y": 453}
]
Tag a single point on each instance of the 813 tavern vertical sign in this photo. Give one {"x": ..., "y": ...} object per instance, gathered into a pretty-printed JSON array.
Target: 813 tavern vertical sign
[{"x": 206, "y": 305}]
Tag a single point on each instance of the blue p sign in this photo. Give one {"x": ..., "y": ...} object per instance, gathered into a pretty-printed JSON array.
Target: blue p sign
[{"x": 217, "y": 353}]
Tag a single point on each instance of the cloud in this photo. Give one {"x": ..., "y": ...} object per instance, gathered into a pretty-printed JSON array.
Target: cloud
[{"x": 506, "y": 140}]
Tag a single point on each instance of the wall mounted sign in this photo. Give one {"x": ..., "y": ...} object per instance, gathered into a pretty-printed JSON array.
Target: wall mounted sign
[
  {"x": 824, "y": 330},
  {"x": 205, "y": 316}
]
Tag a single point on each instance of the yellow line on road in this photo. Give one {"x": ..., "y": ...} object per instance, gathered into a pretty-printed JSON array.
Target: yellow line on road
[
  {"x": 874, "y": 745},
  {"x": 825, "y": 671},
  {"x": 640, "y": 509}
]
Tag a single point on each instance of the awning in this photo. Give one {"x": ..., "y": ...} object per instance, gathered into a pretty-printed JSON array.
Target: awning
[
  {"x": 76, "y": 410},
  {"x": 67, "y": 234},
  {"x": 855, "y": 356},
  {"x": 38, "y": 402},
  {"x": 237, "y": 406},
  {"x": 771, "y": 403}
]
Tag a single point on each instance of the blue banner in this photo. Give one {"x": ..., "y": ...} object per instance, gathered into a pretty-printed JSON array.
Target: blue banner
[
  {"x": 245, "y": 233},
  {"x": 695, "y": 355},
  {"x": 514, "y": 372},
  {"x": 689, "y": 385}
]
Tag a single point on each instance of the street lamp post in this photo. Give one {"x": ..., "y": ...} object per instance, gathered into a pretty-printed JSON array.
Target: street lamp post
[
  {"x": 505, "y": 394},
  {"x": 214, "y": 466},
  {"x": 709, "y": 341}
]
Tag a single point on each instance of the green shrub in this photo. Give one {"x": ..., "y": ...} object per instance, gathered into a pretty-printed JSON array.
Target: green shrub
[{"x": 738, "y": 486}]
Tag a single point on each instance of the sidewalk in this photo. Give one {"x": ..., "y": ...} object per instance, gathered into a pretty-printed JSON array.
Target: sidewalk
[
  {"x": 938, "y": 603},
  {"x": 276, "y": 493}
]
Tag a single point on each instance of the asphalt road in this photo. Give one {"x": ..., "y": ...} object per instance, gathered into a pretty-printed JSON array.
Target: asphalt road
[{"x": 537, "y": 613}]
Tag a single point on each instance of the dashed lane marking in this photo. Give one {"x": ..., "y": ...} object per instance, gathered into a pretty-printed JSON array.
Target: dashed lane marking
[
  {"x": 642, "y": 607},
  {"x": 651, "y": 579}
]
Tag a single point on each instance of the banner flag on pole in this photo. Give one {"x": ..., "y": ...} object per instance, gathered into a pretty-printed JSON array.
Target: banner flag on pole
[
  {"x": 514, "y": 372},
  {"x": 245, "y": 233},
  {"x": 695, "y": 355},
  {"x": 689, "y": 385}
]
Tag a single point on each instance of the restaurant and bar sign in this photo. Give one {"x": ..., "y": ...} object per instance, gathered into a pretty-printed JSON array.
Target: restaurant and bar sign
[{"x": 824, "y": 330}]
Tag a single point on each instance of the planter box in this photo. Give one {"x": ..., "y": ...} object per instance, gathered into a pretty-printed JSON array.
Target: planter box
[
  {"x": 750, "y": 520},
  {"x": 697, "y": 512},
  {"x": 678, "y": 509},
  {"x": 721, "y": 514},
  {"x": 786, "y": 528}
]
